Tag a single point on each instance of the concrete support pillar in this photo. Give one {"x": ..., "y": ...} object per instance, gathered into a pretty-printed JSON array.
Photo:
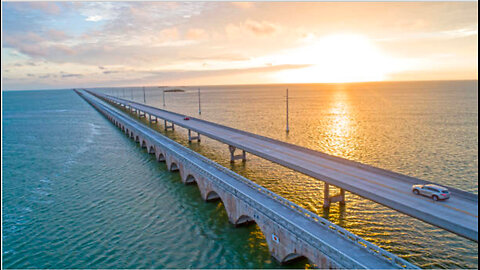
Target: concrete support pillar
[
  {"x": 327, "y": 199},
  {"x": 141, "y": 114},
  {"x": 234, "y": 157},
  {"x": 191, "y": 138},
  {"x": 167, "y": 127},
  {"x": 153, "y": 119}
]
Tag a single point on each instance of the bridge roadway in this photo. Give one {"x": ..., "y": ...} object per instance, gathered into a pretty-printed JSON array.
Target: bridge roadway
[
  {"x": 459, "y": 214},
  {"x": 300, "y": 230}
]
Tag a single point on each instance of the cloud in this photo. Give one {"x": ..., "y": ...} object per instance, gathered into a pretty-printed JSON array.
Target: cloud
[
  {"x": 71, "y": 75},
  {"x": 46, "y": 76},
  {"x": 218, "y": 57},
  {"x": 260, "y": 28},
  {"x": 168, "y": 34},
  {"x": 47, "y": 7},
  {"x": 255, "y": 28},
  {"x": 110, "y": 71},
  {"x": 101, "y": 11},
  {"x": 196, "y": 34},
  {"x": 243, "y": 5},
  {"x": 36, "y": 45},
  {"x": 184, "y": 74},
  {"x": 57, "y": 35},
  {"x": 446, "y": 34},
  {"x": 94, "y": 18}
]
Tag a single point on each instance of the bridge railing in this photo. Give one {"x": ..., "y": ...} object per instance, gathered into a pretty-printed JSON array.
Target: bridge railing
[
  {"x": 319, "y": 220},
  {"x": 371, "y": 248}
]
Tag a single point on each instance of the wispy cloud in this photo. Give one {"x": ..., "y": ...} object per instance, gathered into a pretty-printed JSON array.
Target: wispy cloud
[
  {"x": 46, "y": 7},
  {"x": 251, "y": 27},
  {"x": 184, "y": 74},
  {"x": 71, "y": 75},
  {"x": 446, "y": 34}
]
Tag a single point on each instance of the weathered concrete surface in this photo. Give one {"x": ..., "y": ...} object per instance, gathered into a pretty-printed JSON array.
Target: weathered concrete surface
[
  {"x": 290, "y": 231},
  {"x": 459, "y": 214}
]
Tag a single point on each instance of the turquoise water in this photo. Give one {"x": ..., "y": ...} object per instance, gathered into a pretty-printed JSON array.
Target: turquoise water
[{"x": 77, "y": 193}]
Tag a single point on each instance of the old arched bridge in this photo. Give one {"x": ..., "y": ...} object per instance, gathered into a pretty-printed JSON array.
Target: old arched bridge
[{"x": 290, "y": 231}]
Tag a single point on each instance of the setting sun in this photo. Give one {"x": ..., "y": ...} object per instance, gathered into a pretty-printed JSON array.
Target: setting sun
[{"x": 339, "y": 58}]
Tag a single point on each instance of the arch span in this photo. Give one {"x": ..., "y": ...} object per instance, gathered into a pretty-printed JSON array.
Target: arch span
[
  {"x": 144, "y": 144},
  {"x": 160, "y": 157},
  {"x": 190, "y": 179},
  {"x": 294, "y": 257},
  {"x": 151, "y": 150},
  {"x": 212, "y": 196},
  {"x": 173, "y": 167},
  {"x": 244, "y": 220}
]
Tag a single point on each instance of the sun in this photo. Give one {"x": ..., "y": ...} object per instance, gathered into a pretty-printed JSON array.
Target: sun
[{"x": 338, "y": 58}]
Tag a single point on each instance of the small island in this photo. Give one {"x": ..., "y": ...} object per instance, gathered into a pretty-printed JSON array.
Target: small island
[{"x": 174, "y": 90}]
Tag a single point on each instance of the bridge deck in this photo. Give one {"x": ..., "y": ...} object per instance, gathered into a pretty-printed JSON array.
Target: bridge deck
[
  {"x": 360, "y": 256},
  {"x": 459, "y": 214}
]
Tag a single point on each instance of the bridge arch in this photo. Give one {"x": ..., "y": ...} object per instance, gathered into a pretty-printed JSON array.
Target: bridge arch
[
  {"x": 143, "y": 144},
  {"x": 151, "y": 149},
  {"x": 160, "y": 157},
  {"x": 244, "y": 220},
  {"x": 295, "y": 257},
  {"x": 190, "y": 179},
  {"x": 212, "y": 195},
  {"x": 173, "y": 167}
]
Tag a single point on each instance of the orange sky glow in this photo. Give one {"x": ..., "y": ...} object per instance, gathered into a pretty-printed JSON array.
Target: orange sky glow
[{"x": 89, "y": 44}]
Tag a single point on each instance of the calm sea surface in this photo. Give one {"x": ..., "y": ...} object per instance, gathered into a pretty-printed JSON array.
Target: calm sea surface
[{"x": 77, "y": 193}]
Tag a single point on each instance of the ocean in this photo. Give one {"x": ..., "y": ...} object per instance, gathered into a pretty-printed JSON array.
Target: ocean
[{"x": 77, "y": 193}]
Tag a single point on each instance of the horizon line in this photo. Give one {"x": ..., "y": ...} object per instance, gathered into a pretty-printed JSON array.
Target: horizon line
[{"x": 209, "y": 85}]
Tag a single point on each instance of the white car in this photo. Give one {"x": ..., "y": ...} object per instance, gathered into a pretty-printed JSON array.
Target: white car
[{"x": 433, "y": 191}]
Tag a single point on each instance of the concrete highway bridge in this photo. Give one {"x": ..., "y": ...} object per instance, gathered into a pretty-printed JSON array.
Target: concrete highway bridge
[
  {"x": 290, "y": 231},
  {"x": 459, "y": 214}
]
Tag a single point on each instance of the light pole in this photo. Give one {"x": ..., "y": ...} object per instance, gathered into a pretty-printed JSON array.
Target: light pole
[
  {"x": 288, "y": 129},
  {"x": 199, "y": 103},
  {"x": 163, "y": 94},
  {"x": 144, "y": 98}
]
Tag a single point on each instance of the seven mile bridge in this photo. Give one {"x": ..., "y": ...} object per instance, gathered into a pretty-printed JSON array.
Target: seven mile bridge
[{"x": 459, "y": 214}]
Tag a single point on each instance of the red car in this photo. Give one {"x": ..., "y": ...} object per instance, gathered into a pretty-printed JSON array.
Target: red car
[{"x": 186, "y": 118}]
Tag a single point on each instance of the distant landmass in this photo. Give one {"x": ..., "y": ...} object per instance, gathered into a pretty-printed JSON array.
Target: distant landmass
[{"x": 174, "y": 90}]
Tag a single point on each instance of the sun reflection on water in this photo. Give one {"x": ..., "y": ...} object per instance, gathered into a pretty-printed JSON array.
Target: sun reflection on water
[{"x": 340, "y": 129}]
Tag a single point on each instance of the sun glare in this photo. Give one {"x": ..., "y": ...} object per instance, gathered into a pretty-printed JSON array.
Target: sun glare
[{"x": 338, "y": 58}]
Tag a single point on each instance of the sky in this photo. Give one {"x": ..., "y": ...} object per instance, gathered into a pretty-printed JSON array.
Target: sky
[{"x": 49, "y": 45}]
